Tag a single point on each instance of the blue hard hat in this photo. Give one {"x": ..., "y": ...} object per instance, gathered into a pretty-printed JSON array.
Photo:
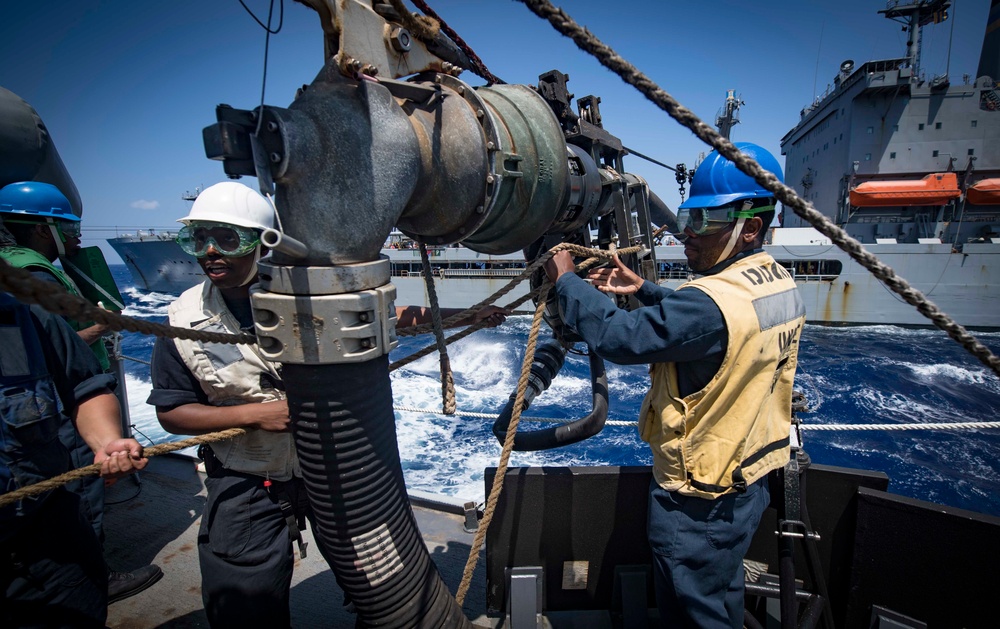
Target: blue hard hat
[
  {"x": 34, "y": 198},
  {"x": 719, "y": 182}
]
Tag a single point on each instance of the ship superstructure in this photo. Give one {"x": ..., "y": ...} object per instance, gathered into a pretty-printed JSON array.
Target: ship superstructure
[{"x": 896, "y": 156}]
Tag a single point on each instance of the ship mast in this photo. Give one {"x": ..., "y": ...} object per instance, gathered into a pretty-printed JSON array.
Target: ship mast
[
  {"x": 729, "y": 115},
  {"x": 727, "y": 118},
  {"x": 914, "y": 14}
]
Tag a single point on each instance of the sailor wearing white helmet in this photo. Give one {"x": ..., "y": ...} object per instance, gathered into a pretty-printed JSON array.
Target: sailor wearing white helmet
[{"x": 257, "y": 503}]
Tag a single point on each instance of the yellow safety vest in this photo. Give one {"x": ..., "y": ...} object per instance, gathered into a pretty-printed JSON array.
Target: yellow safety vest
[
  {"x": 736, "y": 429},
  {"x": 231, "y": 375}
]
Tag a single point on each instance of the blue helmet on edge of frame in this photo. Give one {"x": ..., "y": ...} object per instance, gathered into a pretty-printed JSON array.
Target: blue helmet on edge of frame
[{"x": 34, "y": 198}]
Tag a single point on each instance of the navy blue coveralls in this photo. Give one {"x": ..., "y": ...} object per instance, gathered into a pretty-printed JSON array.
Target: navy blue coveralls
[
  {"x": 244, "y": 546},
  {"x": 91, "y": 488},
  {"x": 52, "y": 571},
  {"x": 696, "y": 549}
]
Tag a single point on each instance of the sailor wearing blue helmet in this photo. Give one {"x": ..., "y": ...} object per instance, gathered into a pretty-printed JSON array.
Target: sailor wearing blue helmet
[
  {"x": 34, "y": 203},
  {"x": 722, "y": 196},
  {"x": 42, "y": 227},
  {"x": 722, "y": 350}
]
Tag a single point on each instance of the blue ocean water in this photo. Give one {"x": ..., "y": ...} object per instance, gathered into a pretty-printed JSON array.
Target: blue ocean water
[{"x": 858, "y": 375}]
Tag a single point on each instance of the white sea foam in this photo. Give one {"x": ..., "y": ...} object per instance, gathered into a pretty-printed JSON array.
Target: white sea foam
[
  {"x": 894, "y": 407},
  {"x": 142, "y": 415},
  {"x": 815, "y": 389},
  {"x": 886, "y": 331},
  {"x": 955, "y": 373},
  {"x": 143, "y": 304}
]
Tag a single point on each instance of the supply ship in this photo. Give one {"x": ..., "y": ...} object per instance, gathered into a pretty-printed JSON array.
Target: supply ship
[{"x": 908, "y": 164}]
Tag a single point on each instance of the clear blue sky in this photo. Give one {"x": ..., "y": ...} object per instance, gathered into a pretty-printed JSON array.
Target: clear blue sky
[{"x": 126, "y": 87}]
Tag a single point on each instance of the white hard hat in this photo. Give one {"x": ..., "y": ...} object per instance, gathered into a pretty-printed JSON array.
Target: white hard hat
[{"x": 233, "y": 203}]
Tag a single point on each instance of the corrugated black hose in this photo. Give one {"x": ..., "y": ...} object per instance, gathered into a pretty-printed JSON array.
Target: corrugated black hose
[{"x": 345, "y": 434}]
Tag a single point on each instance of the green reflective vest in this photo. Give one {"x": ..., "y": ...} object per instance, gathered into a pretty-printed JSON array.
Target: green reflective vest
[{"x": 31, "y": 260}]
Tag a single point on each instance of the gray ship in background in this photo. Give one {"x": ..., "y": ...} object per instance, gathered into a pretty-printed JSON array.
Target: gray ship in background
[{"x": 909, "y": 165}]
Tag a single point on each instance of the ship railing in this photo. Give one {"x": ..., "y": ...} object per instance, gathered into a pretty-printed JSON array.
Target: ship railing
[
  {"x": 469, "y": 273},
  {"x": 813, "y": 270},
  {"x": 673, "y": 274},
  {"x": 814, "y": 278},
  {"x": 143, "y": 236},
  {"x": 463, "y": 273}
]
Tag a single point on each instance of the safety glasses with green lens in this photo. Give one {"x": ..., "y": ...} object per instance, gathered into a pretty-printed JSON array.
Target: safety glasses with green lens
[
  {"x": 69, "y": 229},
  {"x": 66, "y": 229},
  {"x": 712, "y": 220},
  {"x": 228, "y": 240}
]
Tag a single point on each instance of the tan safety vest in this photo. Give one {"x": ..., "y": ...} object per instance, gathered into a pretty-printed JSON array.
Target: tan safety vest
[
  {"x": 231, "y": 375},
  {"x": 736, "y": 429}
]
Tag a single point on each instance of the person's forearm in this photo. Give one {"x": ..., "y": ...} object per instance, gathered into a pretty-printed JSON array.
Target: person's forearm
[
  {"x": 91, "y": 334},
  {"x": 199, "y": 419},
  {"x": 651, "y": 293},
  {"x": 418, "y": 315},
  {"x": 98, "y": 420},
  {"x": 601, "y": 324},
  {"x": 682, "y": 328}
]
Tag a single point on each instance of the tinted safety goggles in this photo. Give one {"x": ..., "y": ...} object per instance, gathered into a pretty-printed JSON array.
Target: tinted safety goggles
[
  {"x": 712, "y": 220},
  {"x": 67, "y": 229},
  {"x": 228, "y": 240}
]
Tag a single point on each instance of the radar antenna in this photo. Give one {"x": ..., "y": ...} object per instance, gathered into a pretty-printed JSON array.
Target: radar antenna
[{"x": 191, "y": 196}]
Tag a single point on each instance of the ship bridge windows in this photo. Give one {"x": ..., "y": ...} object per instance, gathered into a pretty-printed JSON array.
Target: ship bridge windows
[
  {"x": 974, "y": 123},
  {"x": 892, "y": 155},
  {"x": 920, "y": 127},
  {"x": 937, "y": 125},
  {"x": 813, "y": 270}
]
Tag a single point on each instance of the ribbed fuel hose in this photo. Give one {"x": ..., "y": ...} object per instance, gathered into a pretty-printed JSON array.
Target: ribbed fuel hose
[{"x": 345, "y": 434}]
